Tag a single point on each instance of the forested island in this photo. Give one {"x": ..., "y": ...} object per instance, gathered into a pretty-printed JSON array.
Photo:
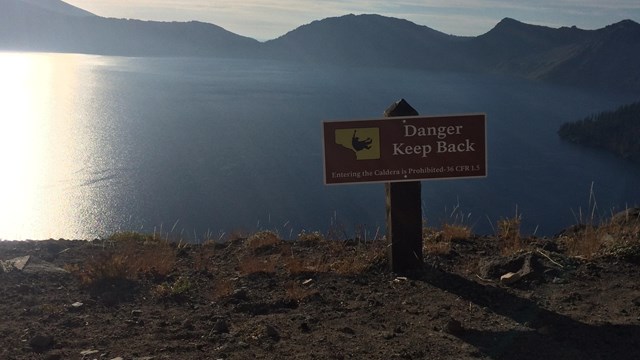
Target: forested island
[{"x": 616, "y": 131}]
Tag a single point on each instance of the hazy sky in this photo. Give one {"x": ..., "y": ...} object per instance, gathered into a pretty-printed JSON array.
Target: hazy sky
[{"x": 268, "y": 19}]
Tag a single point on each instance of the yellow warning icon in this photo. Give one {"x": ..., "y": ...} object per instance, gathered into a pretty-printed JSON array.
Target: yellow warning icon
[{"x": 365, "y": 142}]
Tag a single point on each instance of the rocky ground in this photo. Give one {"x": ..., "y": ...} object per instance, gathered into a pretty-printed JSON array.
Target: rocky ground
[{"x": 133, "y": 297}]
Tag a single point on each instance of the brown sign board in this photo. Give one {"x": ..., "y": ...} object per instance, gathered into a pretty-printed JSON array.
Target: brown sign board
[{"x": 409, "y": 148}]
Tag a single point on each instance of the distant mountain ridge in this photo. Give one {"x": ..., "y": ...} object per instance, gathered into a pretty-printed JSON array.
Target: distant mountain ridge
[
  {"x": 59, "y": 7},
  {"x": 604, "y": 58},
  {"x": 365, "y": 40},
  {"x": 52, "y": 25}
]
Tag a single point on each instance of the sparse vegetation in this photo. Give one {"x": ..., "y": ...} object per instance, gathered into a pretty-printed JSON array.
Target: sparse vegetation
[
  {"x": 133, "y": 256},
  {"x": 128, "y": 262},
  {"x": 618, "y": 236},
  {"x": 509, "y": 234},
  {"x": 596, "y": 235},
  {"x": 310, "y": 238},
  {"x": 217, "y": 295},
  {"x": 128, "y": 257},
  {"x": 179, "y": 287},
  {"x": 360, "y": 258},
  {"x": 434, "y": 242},
  {"x": 585, "y": 242},
  {"x": 438, "y": 241},
  {"x": 262, "y": 241},
  {"x": 453, "y": 232}
]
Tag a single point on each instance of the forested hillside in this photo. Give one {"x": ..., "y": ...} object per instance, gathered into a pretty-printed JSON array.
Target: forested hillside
[{"x": 616, "y": 131}]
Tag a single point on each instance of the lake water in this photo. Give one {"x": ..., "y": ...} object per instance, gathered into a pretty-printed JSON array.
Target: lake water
[{"x": 202, "y": 148}]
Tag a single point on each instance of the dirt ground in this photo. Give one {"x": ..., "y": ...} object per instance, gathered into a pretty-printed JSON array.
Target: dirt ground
[{"x": 262, "y": 298}]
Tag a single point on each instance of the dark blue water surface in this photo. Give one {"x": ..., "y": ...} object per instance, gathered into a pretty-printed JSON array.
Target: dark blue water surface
[{"x": 202, "y": 148}]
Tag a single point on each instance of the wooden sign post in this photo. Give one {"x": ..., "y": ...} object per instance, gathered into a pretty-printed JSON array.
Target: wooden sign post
[
  {"x": 404, "y": 212},
  {"x": 400, "y": 150}
]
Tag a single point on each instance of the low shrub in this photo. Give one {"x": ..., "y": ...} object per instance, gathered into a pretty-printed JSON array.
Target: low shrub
[{"x": 133, "y": 256}]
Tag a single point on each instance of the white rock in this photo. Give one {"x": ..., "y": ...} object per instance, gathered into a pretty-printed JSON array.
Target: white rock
[{"x": 510, "y": 278}]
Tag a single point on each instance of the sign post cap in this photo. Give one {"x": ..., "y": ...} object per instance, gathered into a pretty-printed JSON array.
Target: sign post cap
[{"x": 400, "y": 108}]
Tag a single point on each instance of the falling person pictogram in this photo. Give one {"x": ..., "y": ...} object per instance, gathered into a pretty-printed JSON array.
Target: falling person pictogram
[{"x": 358, "y": 144}]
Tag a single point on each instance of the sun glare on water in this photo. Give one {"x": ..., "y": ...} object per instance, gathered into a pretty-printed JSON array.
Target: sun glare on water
[{"x": 37, "y": 148}]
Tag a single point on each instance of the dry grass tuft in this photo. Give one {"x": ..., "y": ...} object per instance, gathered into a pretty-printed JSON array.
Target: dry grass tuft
[
  {"x": 305, "y": 265},
  {"x": 434, "y": 242},
  {"x": 455, "y": 232},
  {"x": 262, "y": 241},
  {"x": 249, "y": 265},
  {"x": 136, "y": 255},
  {"x": 339, "y": 257},
  {"x": 585, "y": 243},
  {"x": 103, "y": 267},
  {"x": 437, "y": 247},
  {"x": 310, "y": 239},
  {"x": 618, "y": 236},
  {"x": 509, "y": 235},
  {"x": 358, "y": 259},
  {"x": 438, "y": 242}
]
